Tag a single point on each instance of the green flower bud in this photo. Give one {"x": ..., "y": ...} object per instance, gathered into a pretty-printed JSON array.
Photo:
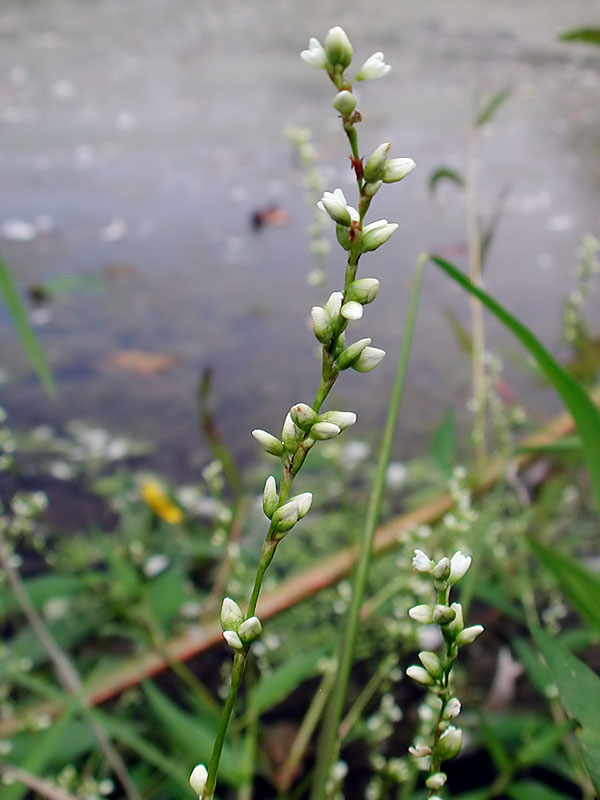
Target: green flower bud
[
  {"x": 231, "y": 615},
  {"x": 431, "y": 662},
  {"x": 343, "y": 419},
  {"x": 303, "y": 415},
  {"x": 371, "y": 189},
  {"x": 368, "y": 359},
  {"x": 452, "y": 708},
  {"x": 449, "y": 744},
  {"x": 397, "y": 168},
  {"x": 321, "y": 324},
  {"x": 324, "y": 430},
  {"x": 458, "y": 623},
  {"x": 343, "y": 237},
  {"x": 376, "y": 234},
  {"x": 269, "y": 443},
  {"x": 345, "y": 103},
  {"x": 364, "y": 290},
  {"x": 334, "y": 205},
  {"x": 270, "y": 496},
  {"x": 250, "y": 630},
  {"x": 352, "y": 310},
  {"x": 441, "y": 571},
  {"x": 285, "y": 517},
  {"x": 420, "y": 675},
  {"x": 436, "y": 781},
  {"x": 338, "y": 48},
  {"x": 442, "y": 615},
  {"x": 373, "y": 169},
  {"x": 468, "y": 635},
  {"x": 351, "y": 353}
]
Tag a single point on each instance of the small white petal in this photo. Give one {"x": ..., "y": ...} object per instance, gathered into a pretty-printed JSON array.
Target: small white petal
[
  {"x": 233, "y": 640},
  {"x": 352, "y": 310},
  {"x": 198, "y": 778}
]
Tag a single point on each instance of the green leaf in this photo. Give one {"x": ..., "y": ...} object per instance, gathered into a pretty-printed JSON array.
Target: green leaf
[
  {"x": 543, "y": 743},
  {"x": 277, "y": 685},
  {"x": 532, "y": 790},
  {"x": 40, "y": 589},
  {"x": 460, "y": 331},
  {"x": 10, "y": 295},
  {"x": 192, "y": 735},
  {"x": 576, "y": 399},
  {"x": 488, "y": 111},
  {"x": 579, "y": 690},
  {"x": 585, "y": 35},
  {"x": 537, "y": 670},
  {"x": 445, "y": 174},
  {"x": 443, "y": 443},
  {"x": 581, "y": 587}
]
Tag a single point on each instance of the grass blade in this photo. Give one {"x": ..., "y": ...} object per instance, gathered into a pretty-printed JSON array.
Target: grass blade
[
  {"x": 575, "y": 398},
  {"x": 585, "y": 35},
  {"x": 10, "y": 295}
]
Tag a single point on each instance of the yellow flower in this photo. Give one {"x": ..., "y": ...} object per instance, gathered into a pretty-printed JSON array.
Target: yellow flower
[{"x": 156, "y": 498}]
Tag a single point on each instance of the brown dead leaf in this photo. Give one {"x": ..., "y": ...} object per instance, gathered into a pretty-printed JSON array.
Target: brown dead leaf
[{"x": 141, "y": 362}]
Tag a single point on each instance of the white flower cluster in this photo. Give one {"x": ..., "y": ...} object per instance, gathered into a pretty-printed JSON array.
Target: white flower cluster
[{"x": 238, "y": 631}]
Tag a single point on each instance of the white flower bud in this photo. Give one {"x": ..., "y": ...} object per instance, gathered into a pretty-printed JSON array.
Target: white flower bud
[
  {"x": 420, "y": 675},
  {"x": 343, "y": 419},
  {"x": 250, "y": 630},
  {"x": 397, "y": 168},
  {"x": 458, "y": 623},
  {"x": 459, "y": 564},
  {"x": 270, "y": 496},
  {"x": 452, "y": 708},
  {"x": 376, "y": 234},
  {"x": 304, "y": 502},
  {"x": 198, "y": 778},
  {"x": 352, "y": 310},
  {"x": 315, "y": 55},
  {"x": 436, "y": 781},
  {"x": 324, "y": 430},
  {"x": 364, "y": 290},
  {"x": 231, "y": 614},
  {"x": 321, "y": 324},
  {"x": 449, "y": 744},
  {"x": 334, "y": 204},
  {"x": 233, "y": 640},
  {"x": 345, "y": 103},
  {"x": 373, "y": 168},
  {"x": 285, "y": 517},
  {"x": 351, "y": 353},
  {"x": 334, "y": 304},
  {"x": 291, "y": 434},
  {"x": 468, "y": 635},
  {"x": 422, "y": 613},
  {"x": 303, "y": 415},
  {"x": 269, "y": 443},
  {"x": 420, "y": 750},
  {"x": 338, "y": 48},
  {"x": 374, "y": 67},
  {"x": 421, "y": 562},
  {"x": 431, "y": 662},
  {"x": 368, "y": 359}
]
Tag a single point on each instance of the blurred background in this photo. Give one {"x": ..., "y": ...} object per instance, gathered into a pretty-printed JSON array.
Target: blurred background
[{"x": 139, "y": 139}]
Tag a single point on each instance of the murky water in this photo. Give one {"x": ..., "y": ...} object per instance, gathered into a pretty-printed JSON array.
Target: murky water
[{"x": 145, "y": 133}]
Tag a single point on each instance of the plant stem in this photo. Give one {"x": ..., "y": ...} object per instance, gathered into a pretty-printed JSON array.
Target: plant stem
[
  {"x": 329, "y": 741},
  {"x": 237, "y": 673},
  {"x": 477, "y": 322}
]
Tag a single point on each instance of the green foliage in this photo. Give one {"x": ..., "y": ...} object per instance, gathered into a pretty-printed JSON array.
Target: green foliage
[{"x": 584, "y": 35}]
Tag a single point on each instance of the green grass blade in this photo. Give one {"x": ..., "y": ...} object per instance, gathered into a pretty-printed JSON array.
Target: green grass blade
[
  {"x": 575, "y": 398},
  {"x": 445, "y": 174},
  {"x": 585, "y": 35},
  {"x": 488, "y": 111},
  {"x": 579, "y": 690},
  {"x": 10, "y": 295},
  {"x": 581, "y": 587},
  {"x": 275, "y": 686}
]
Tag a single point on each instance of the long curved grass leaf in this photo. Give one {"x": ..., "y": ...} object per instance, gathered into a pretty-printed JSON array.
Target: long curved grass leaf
[
  {"x": 488, "y": 111},
  {"x": 585, "y": 35},
  {"x": 579, "y": 691},
  {"x": 575, "y": 398},
  {"x": 445, "y": 174},
  {"x": 10, "y": 295},
  {"x": 581, "y": 587}
]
